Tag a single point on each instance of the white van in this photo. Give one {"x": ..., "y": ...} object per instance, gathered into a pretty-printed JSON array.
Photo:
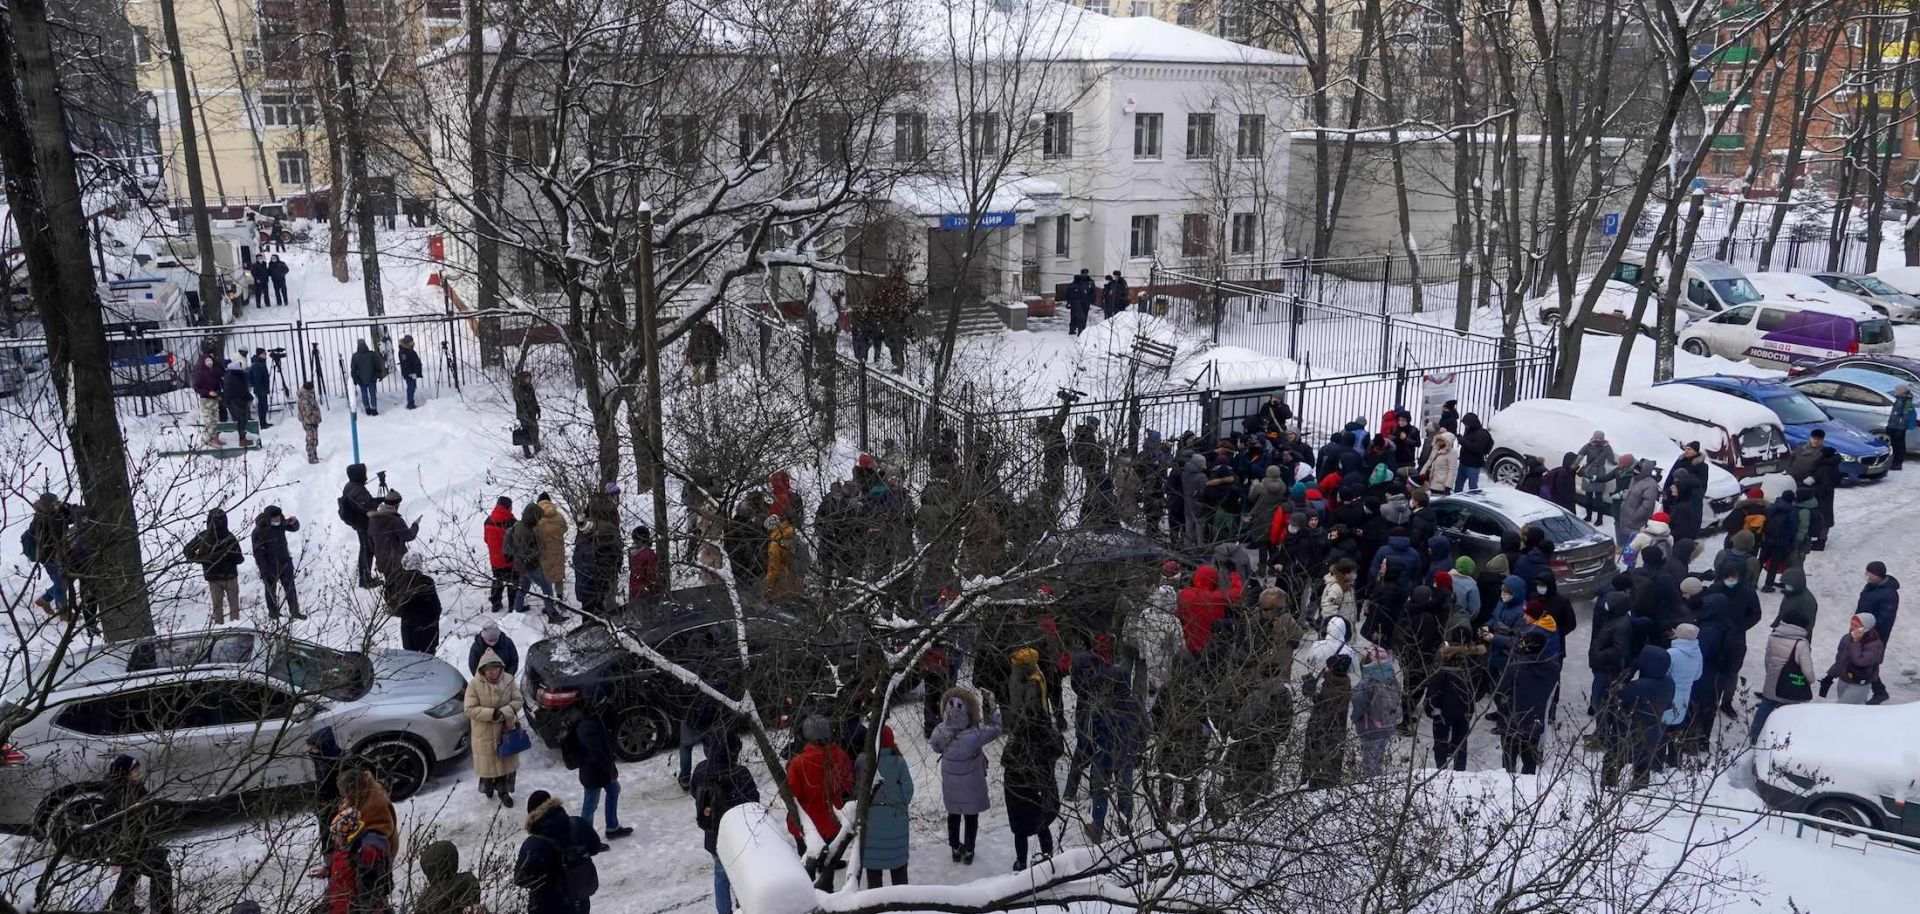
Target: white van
[
  {"x": 1712, "y": 286},
  {"x": 1731, "y": 333},
  {"x": 1737, "y": 434}
]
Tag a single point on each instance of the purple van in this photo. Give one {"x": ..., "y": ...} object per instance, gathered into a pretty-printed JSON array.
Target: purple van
[{"x": 1812, "y": 336}]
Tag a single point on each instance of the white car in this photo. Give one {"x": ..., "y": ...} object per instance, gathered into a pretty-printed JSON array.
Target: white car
[
  {"x": 1798, "y": 288},
  {"x": 1731, "y": 333},
  {"x": 1712, "y": 285},
  {"x": 1611, "y": 312},
  {"x": 1548, "y": 428},
  {"x": 1854, "y": 764}
]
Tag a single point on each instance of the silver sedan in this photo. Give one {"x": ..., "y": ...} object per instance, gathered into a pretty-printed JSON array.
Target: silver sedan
[
  {"x": 1862, "y": 399},
  {"x": 1874, "y": 293}
]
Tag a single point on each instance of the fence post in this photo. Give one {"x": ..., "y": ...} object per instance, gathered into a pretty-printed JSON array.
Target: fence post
[
  {"x": 862, "y": 397},
  {"x": 1386, "y": 341},
  {"x": 1210, "y": 414},
  {"x": 1386, "y": 284},
  {"x": 1400, "y": 384},
  {"x": 1293, "y": 329},
  {"x": 1219, "y": 309}
]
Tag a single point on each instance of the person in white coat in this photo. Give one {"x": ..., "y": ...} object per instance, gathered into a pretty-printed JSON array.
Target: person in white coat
[
  {"x": 1442, "y": 464},
  {"x": 1338, "y": 596}
]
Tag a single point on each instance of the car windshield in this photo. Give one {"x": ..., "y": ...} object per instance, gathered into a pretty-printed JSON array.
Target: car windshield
[
  {"x": 1560, "y": 528},
  {"x": 312, "y": 669},
  {"x": 1875, "y": 286},
  {"x": 1735, "y": 291},
  {"x": 1795, "y": 409}
]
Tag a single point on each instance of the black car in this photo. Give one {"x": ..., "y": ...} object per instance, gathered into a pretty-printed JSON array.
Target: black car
[
  {"x": 793, "y": 661},
  {"x": 1476, "y": 520}
]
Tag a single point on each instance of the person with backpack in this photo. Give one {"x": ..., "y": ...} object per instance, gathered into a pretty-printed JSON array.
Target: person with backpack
[
  {"x": 555, "y": 864},
  {"x": 275, "y": 561},
  {"x": 366, "y": 369},
  {"x": 884, "y": 845},
  {"x": 1789, "y": 665},
  {"x": 1377, "y": 710},
  {"x": 45, "y": 541},
  {"x": 720, "y": 783},
  {"x": 961, "y": 739},
  {"x": 448, "y": 889},
  {"x": 1331, "y": 697},
  {"x": 493, "y": 532},
  {"x": 588, "y": 749},
  {"x": 217, "y": 552},
  {"x": 356, "y": 508}
]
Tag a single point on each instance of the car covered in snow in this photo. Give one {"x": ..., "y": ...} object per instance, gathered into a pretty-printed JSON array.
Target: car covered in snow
[
  {"x": 219, "y": 714},
  {"x": 1738, "y": 435},
  {"x": 1612, "y": 311},
  {"x": 1861, "y": 456},
  {"x": 1476, "y": 521},
  {"x": 1873, "y": 292},
  {"x": 1855, "y": 764},
  {"x": 1548, "y": 428},
  {"x": 595, "y": 668}
]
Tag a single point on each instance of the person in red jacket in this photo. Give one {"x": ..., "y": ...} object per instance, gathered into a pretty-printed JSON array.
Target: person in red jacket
[
  {"x": 644, "y": 580},
  {"x": 1202, "y": 604},
  {"x": 821, "y": 777},
  {"x": 494, "y": 531}
]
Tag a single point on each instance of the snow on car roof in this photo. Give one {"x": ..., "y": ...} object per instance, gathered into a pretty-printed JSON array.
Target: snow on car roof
[
  {"x": 1866, "y": 750},
  {"x": 1723, "y": 409},
  {"x": 1798, "y": 290},
  {"x": 1717, "y": 269},
  {"x": 1548, "y": 427},
  {"x": 1513, "y": 503}
]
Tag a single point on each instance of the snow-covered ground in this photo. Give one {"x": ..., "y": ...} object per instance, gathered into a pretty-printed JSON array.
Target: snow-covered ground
[{"x": 451, "y": 457}]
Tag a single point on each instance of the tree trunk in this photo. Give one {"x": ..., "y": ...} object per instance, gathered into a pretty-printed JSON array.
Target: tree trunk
[
  {"x": 336, "y": 189},
  {"x": 1670, "y": 299},
  {"x": 1390, "y": 102},
  {"x": 1465, "y": 170},
  {"x": 211, "y": 304},
  {"x": 1624, "y": 356},
  {"x": 353, "y": 128},
  {"x": 37, "y": 156},
  {"x": 480, "y": 169}
]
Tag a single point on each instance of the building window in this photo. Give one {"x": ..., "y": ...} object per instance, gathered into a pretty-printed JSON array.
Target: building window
[
  {"x": 528, "y": 141},
  {"x": 1056, "y": 140},
  {"x": 1186, "y": 15},
  {"x": 142, "y": 45},
  {"x": 1196, "y": 235},
  {"x": 445, "y": 10},
  {"x": 983, "y": 133},
  {"x": 750, "y": 131},
  {"x": 909, "y": 136},
  {"x": 293, "y": 166},
  {"x": 1246, "y": 232},
  {"x": 835, "y": 136},
  {"x": 1140, "y": 8},
  {"x": 1143, "y": 239},
  {"x": 1099, "y": 6},
  {"x": 1146, "y": 135},
  {"x": 1063, "y": 237},
  {"x": 1199, "y": 136},
  {"x": 1809, "y": 60},
  {"x": 1721, "y": 163},
  {"x": 285, "y": 111},
  {"x": 1251, "y": 140},
  {"x": 680, "y": 139}
]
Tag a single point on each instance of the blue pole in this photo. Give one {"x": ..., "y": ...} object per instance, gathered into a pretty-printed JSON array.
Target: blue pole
[{"x": 353, "y": 422}]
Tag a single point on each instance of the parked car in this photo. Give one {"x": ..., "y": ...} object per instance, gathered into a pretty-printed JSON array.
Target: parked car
[
  {"x": 1475, "y": 521},
  {"x": 1860, "y": 398},
  {"x": 1903, "y": 278},
  {"x": 1612, "y": 312},
  {"x": 217, "y": 714},
  {"x": 1899, "y": 366},
  {"x": 1712, "y": 286},
  {"x": 1861, "y": 456},
  {"x": 1738, "y": 435},
  {"x": 142, "y": 367},
  {"x": 641, "y": 704},
  {"x": 1548, "y": 428},
  {"x": 1873, "y": 292},
  {"x": 1778, "y": 334},
  {"x": 1853, "y": 764}
]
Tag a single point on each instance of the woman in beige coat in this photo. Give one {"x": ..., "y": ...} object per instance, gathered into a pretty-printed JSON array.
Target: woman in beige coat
[
  {"x": 493, "y": 706},
  {"x": 552, "y": 531}
]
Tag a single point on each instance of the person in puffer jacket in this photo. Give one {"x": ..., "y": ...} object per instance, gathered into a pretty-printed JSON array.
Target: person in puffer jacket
[
  {"x": 1202, "y": 605},
  {"x": 1507, "y": 622},
  {"x": 1633, "y": 725},
  {"x": 1856, "y": 661},
  {"x": 1657, "y": 532},
  {"x": 1685, "y": 665},
  {"x": 1612, "y": 643},
  {"x": 1789, "y": 663}
]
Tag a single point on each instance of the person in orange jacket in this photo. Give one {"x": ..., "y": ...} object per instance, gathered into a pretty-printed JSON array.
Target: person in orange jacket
[{"x": 821, "y": 777}]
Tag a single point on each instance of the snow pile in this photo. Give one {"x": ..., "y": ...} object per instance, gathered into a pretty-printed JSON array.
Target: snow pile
[{"x": 1232, "y": 368}]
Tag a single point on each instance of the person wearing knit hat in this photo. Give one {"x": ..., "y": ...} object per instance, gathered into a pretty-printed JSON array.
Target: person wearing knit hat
[
  {"x": 1690, "y": 587},
  {"x": 1464, "y": 565},
  {"x": 126, "y": 831},
  {"x": 1856, "y": 662},
  {"x": 1881, "y": 599},
  {"x": 884, "y": 843},
  {"x": 1685, "y": 666}
]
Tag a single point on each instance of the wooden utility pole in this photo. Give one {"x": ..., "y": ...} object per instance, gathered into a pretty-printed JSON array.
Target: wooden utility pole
[
  {"x": 210, "y": 299},
  {"x": 648, "y": 306},
  {"x": 36, "y": 154}
]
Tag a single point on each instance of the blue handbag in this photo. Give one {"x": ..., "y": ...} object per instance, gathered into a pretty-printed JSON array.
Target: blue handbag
[{"x": 514, "y": 742}]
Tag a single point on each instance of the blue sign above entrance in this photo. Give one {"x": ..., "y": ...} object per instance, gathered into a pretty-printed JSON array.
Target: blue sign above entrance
[{"x": 953, "y": 221}]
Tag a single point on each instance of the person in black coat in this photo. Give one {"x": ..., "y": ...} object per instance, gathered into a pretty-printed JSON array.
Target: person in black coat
[
  {"x": 277, "y": 273},
  {"x": 1632, "y": 727},
  {"x": 236, "y": 397},
  {"x": 588, "y": 749},
  {"x": 1881, "y": 599},
  {"x": 259, "y": 381},
  {"x": 1449, "y": 703},
  {"x": 413, "y": 596},
  {"x": 720, "y": 783},
  {"x": 411, "y": 371},
  {"x": 1686, "y": 492},
  {"x": 127, "y": 835},
  {"x": 1113, "y": 298},
  {"x": 1777, "y": 539},
  {"x": 1526, "y": 689},
  {"x": 1560, "y": 486},
  {"x": 390, "y": 533},
  {"x": 555, "y": 864},
  {"x": 259, "y": 277},
  {"x": 491, "y": 638},
  {"x": 1826, "y": 478},
  {"x": 1475, "y": 444},
  {"x": 356, "y": 510},
  {"x": 275, "y": 560},
  {"x": 1080, "y": 295},
  {"x": 1546, "y": 588},
  {"x": 1743, "y": 612},
  {"x": 217, "y": 552}
]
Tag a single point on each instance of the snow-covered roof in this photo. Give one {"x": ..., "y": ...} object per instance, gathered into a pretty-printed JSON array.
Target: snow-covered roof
[
  {"x": 1724, "y": 410},
  {"x": 932, "y": 196},
  {"x": 1049, "y": 30},
  {"x": 1513, "y": 503},
  {"x": 1865, "y": 750},
  {"x": 1235, "y": 368},
  {"x": 1803, "y": 291},
  {"x": 1546, "y": 428}
]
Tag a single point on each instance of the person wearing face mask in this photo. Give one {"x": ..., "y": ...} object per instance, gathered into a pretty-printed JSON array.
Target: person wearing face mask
[
  {"x": 275, "y": 560},
  {"x": 1725, "y": 658}
]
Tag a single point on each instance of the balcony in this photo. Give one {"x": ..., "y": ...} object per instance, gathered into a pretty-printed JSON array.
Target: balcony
[
  {"x": 1727, "y": 141},
  {"x": 1738, "y": 54},
  {"x": 1717, "y": 98}
]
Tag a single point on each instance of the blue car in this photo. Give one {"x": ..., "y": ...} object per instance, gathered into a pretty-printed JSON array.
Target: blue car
[{"x": 1861, "y": 456}]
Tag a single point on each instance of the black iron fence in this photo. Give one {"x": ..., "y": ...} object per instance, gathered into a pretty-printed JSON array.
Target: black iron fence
[
  {"x": 1846, "y": 255},
  {"x": 1381, "y": 285}
]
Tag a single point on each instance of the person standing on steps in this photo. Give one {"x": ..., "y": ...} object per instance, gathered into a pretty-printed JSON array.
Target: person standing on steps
[
  {"x": 309, "y": 410},
  {"x": 411, "y": 371},
  {"x": 365, "y": 370},
  {"x": 493, "y": 706},
  {"x": 260, "y": 381},
  {"x": 1080, "y": 295},
  {"x": 526, "y": 412},
  {"x": 275, "y": 560},
  {"x": 217, "y": 551},
  {"x": 277, "y": 274},
  {"x": 356, "y": 508}
]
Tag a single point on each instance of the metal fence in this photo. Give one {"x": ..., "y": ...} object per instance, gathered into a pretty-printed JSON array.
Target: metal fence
[
  {"x": 1846, "y": 255},
  {"x": 1378, "y": 285}
]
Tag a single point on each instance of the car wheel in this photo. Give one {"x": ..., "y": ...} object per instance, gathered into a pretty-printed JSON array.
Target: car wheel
[
  {"x": 640, "y": 733},
  {"x": 69, "y": 817},
  {"x": 399, "y": 763},
  {"x": 1842, "y": 813},
  {"x": 1697, "y": 347},
  {"x": 1508, "y": 469}
]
